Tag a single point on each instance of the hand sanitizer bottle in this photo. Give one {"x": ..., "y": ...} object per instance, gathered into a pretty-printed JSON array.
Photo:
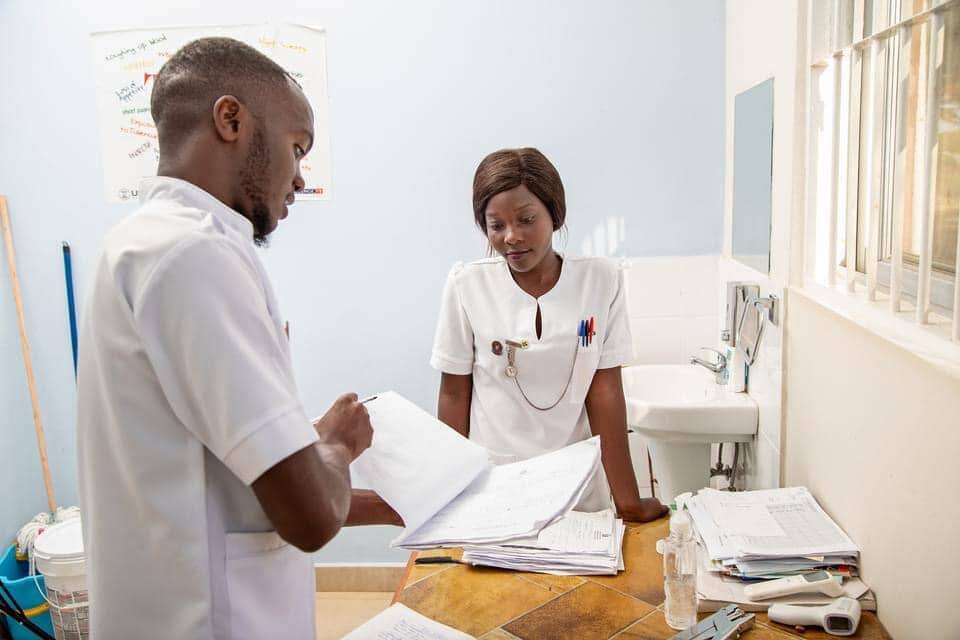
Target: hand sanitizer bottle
[{"x": 680, "y": 572}]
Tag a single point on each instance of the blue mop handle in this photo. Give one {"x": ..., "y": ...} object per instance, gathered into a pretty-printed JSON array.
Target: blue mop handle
[{"x": 71, "y": 308}]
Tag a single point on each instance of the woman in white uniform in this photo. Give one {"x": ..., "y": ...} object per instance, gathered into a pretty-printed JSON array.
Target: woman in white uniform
[{"x": 530, "y": 343}]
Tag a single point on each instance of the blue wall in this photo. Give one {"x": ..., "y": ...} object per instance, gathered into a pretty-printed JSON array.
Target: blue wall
[{"x": 625, "y": 97}]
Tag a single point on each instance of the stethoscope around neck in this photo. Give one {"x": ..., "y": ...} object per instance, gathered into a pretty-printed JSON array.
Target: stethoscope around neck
[{"x": 513, "y": 372}]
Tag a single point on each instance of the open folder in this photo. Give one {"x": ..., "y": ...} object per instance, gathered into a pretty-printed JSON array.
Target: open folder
[{"x": 447, "y": 490}]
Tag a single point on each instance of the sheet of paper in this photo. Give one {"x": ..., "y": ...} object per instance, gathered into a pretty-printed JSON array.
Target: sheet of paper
[
  {"x": 512, "y": 500},
  {"x": 416, "y": 464},
  {"x": 737, "y": 517},
  {"x": 805, "y": 529},
  {"x": 577, "y": 532},
  {"x": 399, "y": 622},
  {"x": 578, "y": 544}
]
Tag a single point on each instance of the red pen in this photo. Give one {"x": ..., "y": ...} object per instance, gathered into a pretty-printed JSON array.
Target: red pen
[{"x": 590, "y": 331}]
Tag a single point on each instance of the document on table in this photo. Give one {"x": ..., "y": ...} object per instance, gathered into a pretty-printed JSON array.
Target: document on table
[
  {"x": 767, "y": 524},
  {"x": 577, "y": 544},
  {"x": 577, "y": 532},
  {"x": 402, "y": 623},
  {"x": 512, "y": 500},
  {"x": 712, "y": 588},
  {"x": 416, "y": 463}
]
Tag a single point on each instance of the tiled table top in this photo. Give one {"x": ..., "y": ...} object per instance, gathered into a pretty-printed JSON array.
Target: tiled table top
[{"x": 494, "y": 604}]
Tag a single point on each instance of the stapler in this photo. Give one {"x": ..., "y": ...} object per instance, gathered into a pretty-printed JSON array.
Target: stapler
[{"x": 726, "y": 624}]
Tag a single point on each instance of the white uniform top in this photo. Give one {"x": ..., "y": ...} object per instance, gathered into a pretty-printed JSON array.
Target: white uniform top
[
  {"x": 482, "y": 304},
  {"x": 186, "y": 395}
]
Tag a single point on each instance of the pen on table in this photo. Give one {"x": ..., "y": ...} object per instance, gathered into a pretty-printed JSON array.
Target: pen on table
[{"x": 439, "y": 560}]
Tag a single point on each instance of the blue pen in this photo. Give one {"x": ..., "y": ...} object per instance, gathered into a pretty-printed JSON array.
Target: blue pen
[{"x": 580, "y": 333}]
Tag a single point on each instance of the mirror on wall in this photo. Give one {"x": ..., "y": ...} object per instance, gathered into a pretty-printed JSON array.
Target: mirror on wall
[{"x": 753, "y": 175}]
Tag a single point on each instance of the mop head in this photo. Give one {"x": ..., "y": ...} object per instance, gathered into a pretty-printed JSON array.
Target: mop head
[{"x": 28, "y": 533}]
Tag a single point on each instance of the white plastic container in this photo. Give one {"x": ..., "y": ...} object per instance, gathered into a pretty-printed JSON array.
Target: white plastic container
[
  {"x": 58, "y": 552},
  {"x": 680, "y": 573}
]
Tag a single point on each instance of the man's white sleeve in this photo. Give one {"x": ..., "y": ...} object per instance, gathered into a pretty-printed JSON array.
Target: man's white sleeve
[{"x": 219, "y": 358}]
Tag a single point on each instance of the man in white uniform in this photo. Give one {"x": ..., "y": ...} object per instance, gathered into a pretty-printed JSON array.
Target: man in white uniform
[{"x": 203, "y": 485}]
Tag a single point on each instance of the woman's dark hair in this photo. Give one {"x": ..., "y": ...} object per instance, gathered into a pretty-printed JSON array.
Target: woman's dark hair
[{"x": 509, "y": 168}]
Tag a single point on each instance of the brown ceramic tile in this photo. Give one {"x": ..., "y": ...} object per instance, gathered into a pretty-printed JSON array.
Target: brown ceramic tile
[
  {"x": 643, "y": 577},
  {"x": 555, "y": 584},
  {"x": 474, "y": 600},
  {"x": 869, "y": 629},
  {"x": 588, "y": 612}
]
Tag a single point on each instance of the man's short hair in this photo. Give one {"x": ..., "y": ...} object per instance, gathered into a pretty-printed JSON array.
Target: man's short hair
[{"x": 202, "y": 71}]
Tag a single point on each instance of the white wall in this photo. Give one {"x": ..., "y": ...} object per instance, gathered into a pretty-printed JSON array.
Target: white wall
[
  {"x": 625, "y": 97},
  {"x": 762, "y": 43},
  {"x": 671, "y": 307},
  {"x": 870, "y": 428},
  {"x": 874, "y": 432}
]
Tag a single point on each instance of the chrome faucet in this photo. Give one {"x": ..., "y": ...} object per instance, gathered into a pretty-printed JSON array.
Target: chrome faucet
[{"x": 717, "y": 367}]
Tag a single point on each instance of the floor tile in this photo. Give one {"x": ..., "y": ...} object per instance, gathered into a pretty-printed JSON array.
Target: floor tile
[{"x": 338, "y": 613}]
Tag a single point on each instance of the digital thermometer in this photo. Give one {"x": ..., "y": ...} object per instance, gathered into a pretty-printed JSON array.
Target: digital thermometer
[
  {"x": 839, "y": 618},
  {"x": 818, "y": 581}
]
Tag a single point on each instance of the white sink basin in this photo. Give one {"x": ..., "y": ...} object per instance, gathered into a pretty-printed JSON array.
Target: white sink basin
[
  {"x": 679, "y": 411},
  {"x": 683, "y": 403}
]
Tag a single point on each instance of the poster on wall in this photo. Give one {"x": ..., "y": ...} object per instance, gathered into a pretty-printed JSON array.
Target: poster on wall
[{"x": 126, "y": 61}]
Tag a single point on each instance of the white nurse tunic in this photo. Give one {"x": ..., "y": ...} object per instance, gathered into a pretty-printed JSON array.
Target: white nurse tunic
[
  {"x": 185, "y": 396},
  {"x": 483, "y": 305}
]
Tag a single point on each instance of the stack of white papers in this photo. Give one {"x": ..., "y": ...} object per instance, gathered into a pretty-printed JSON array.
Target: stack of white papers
[
  {"x": 449, "y": 493},
  {"x": 511, "y": 501},
  {"x": 578, "y": 544},
  {"x": 769, "y": 534},
  {"x": 767, "y": 524},
  {"x": 403, "y": 623}
]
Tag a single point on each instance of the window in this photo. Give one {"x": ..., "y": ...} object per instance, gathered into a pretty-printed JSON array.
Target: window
[{"x": 884, "y": 152}]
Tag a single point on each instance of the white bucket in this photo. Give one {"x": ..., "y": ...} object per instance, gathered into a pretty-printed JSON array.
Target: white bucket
[{"x": 58, "y": 552}]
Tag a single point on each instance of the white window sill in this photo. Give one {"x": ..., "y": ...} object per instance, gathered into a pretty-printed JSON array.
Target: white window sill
[{"x": 931, "y": 342}]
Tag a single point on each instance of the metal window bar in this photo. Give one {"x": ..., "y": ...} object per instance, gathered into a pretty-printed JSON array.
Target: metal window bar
[
  {"x": 927, "y": 163},
  {"x": 886, "y": 32},
  {"x": 834, "y": 173},
  {"x": 853, "y": 167},
  {"x": 897, "y": 210},
  {"x": 871, "y": 196},
  {"x": 896, "y": 34}
]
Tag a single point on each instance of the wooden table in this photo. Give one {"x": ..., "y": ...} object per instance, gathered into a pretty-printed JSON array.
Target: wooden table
[{"x": 494, "y": 604}]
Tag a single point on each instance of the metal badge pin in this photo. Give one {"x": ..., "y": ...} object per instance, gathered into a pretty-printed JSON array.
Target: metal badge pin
[
  {"x": 512, "y": 347},
  {"x": 497, "y": 347}
]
